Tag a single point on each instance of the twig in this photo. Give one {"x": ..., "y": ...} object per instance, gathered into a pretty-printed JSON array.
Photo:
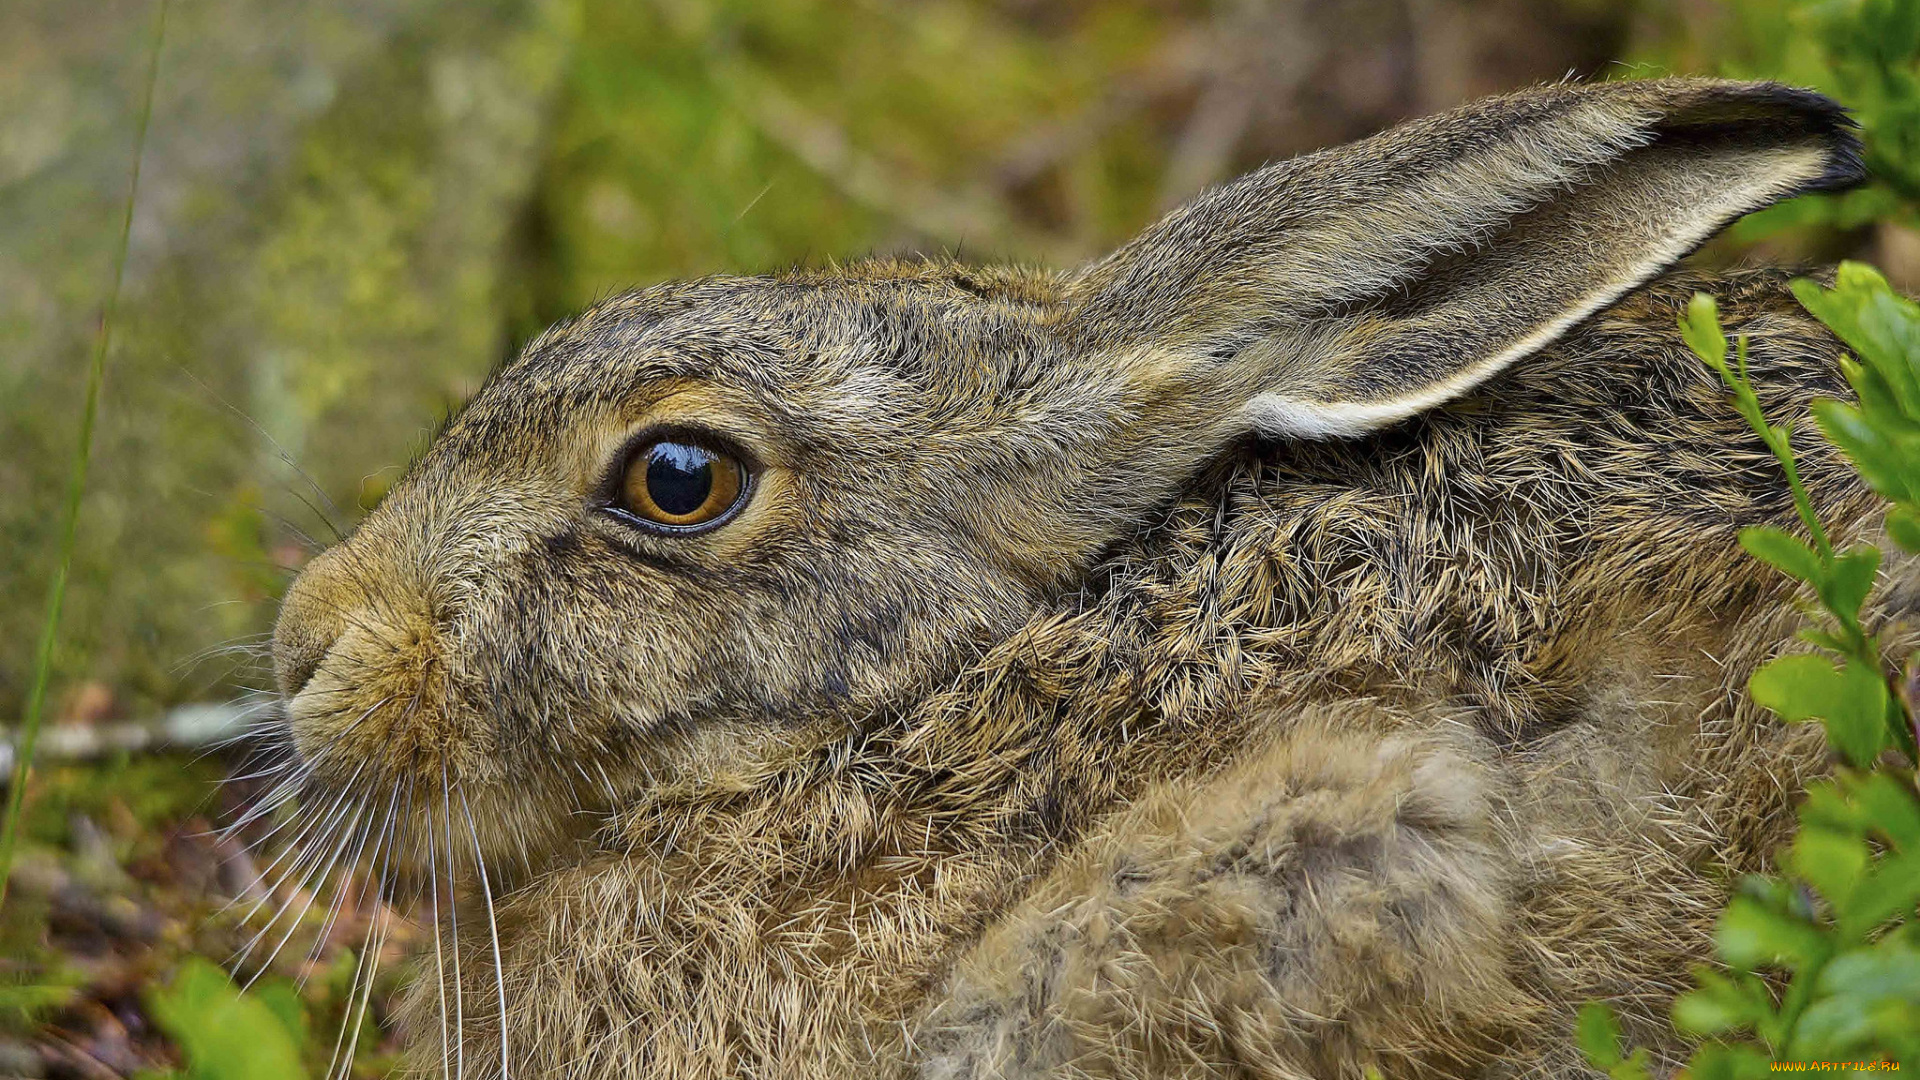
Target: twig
[
  {"x": 189, "y": 727},
  {"x": 823, "y": 147}
]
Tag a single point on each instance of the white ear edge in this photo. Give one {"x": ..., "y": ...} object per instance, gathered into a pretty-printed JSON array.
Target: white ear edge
[{"x": 1280, "y": 416}]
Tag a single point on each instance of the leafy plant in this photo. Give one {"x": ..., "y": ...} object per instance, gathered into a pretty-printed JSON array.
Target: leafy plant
[
  {"x": 229, "y": 1035},
  {"x": 1822, "y": 961}
]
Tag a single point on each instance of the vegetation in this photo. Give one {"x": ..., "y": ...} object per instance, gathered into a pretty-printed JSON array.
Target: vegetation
[
  {"x": 1822, "y": 961},
  {"x": 29, "y": 731}
]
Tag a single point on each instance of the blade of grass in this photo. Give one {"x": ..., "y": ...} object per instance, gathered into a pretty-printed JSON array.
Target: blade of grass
[{"x": 77, "y": 483}]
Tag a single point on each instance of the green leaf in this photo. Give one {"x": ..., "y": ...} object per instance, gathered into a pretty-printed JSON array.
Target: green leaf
[
  {"x": 1638, "y": 1066},
  {"x": 1852, "y": 700},
  {"x": 1903, "y": 524},
  {"x": 1832, "y": 862},
  {"x": 1800, "y": 686},
  {"x": 1720, "y": 1005},
  {"x": 1833, "y": 643},
  {"x": 1739, "y": 1061},
  {"x": 1886, "y": 461},
  {"x": 24, "y": 1003},
  {"x": 1891, "y": 889},
  {"x": 1830, "y": 1028},
  {"x": 1851, "y": 580},
  {"x": 1827, "y": 806},
  {"x": 285, "y": 1002},
  {"x": 1597, "y": 1034},
  {"x": 225, "y": 1035},
  {"x": 1784, "y": 552},
  {"x": 1864, "y": 312},
  {"x": 1881, "y": 327},
  {"x": 1752, "y": 936},
  {"x": 1700, "y": 329},
  {"x": 1874, "y": 972},
  {"x": 1879, "y": 402},
  {"x": 1891, "y": 806}
]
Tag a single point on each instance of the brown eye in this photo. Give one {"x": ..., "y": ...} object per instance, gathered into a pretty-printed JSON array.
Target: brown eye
[{"x": 682, "y": 485}]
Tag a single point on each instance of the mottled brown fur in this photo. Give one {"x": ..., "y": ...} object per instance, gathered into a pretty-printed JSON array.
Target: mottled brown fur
[{"x": 1061, "y": 705}]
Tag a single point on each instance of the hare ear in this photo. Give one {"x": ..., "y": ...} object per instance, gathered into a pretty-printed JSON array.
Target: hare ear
[{"x": 1340, "y": 292}]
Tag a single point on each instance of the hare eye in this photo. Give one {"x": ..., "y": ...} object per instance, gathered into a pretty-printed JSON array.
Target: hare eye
[{"x": 679, "y": 486}]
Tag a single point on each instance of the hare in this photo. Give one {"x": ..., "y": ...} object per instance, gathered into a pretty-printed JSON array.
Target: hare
[{"x": 1307, "y": 640}]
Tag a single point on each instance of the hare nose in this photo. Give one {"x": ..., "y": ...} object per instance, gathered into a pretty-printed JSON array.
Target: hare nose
[
  {"x": 294, "y": 669},
  {"x": 312, "y": 618}
]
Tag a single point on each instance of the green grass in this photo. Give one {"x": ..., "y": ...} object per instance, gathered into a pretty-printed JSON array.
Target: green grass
[{"x": 29, "y": 733}]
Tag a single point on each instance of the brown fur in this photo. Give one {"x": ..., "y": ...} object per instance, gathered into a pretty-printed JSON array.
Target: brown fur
[{"x": 1054, "y": 708}]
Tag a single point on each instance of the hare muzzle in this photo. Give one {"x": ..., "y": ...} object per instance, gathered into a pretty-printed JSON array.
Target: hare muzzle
[
  {"x": 364, "y": 675},
  {"x": 373, "y": 652}
]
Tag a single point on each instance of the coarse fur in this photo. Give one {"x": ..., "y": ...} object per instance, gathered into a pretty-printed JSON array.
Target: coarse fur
[{"x": 1311, "y": 638}]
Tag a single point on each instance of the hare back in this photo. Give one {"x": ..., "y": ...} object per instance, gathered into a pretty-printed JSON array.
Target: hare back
[{"x": 1499, "y": 761}]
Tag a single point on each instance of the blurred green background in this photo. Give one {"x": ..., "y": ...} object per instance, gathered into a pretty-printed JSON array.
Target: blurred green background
[{"x": 350, "y": 211}]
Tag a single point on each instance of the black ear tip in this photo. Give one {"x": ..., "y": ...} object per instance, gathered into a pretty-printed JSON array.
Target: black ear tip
[
  {"x": 1750, "y": 112},
  {"x": 1802, "y": 113},
  {"x": 1847, "y": 167},
  {"x": 1809, "y": 103}
]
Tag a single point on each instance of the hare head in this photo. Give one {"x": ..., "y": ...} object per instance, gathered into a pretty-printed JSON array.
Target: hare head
[{"x": 706, "y": 515}]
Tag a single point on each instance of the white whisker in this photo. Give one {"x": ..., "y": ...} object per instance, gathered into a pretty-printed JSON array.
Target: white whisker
[
  {"x": 320, "y": 859},
  {"x": 384, "y": 920},
  {"x": 493, "y": 931},
  {"x": 319, "y": 886},
  {"x": 300, "y": 846},
  {"x": 453, "y": 930},
  {"x": 439, "y": 961},
  {"x": 326, "y": 928}
]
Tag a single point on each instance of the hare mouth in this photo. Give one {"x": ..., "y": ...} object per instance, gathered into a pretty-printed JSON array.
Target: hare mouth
[
  {"x": 396, "y": 764},
  {"x": 425, "y": 852},
  {"x": 377, "y": 696}
]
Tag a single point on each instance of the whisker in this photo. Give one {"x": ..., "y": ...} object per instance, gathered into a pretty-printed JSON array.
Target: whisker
[
  {"x": 300, "y": 847},
  {"x": 334, "y": 909},
  {"x": 320, "y": 886},
  {"x": 360, "y": 963},
  {"x": 326, "y": 929},
  {"x": 290, "y": 787},
  {"x": 382, "y": 918},
  {"x": 453, "y": 931},
  {"x": 266, "y": 771},
  {"x": 493, "y": 930},
  {"x": 439, "y": 963},
  {"x": 318, "y": 864},
  {"x": 299, "y": 843}
]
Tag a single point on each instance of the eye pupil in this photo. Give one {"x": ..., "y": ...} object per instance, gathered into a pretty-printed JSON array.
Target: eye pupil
[{"x": 679, "y": 478}]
